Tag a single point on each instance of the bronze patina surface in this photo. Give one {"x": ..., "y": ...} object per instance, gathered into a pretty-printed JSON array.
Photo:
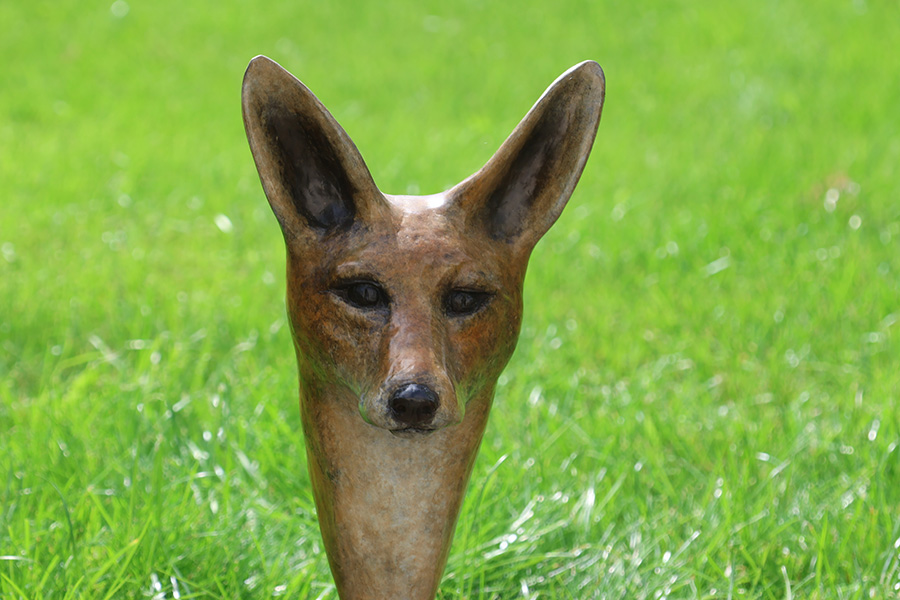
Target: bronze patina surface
[{"x": 404, "y": 310}]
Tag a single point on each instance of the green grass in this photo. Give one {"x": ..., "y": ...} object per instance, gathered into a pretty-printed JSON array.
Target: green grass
[{"x": 704, "y": 401}]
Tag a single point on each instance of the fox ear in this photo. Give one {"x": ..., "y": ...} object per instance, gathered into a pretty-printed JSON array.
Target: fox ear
[
  {"x": 312, "y": 173},
  {"x": 524, "y": 187}
]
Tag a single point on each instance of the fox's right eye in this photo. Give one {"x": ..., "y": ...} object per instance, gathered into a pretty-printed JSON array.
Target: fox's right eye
[{"x": 365, "y": 295}]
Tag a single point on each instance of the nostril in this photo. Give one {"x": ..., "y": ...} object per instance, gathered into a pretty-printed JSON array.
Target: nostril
[{"x": 413, "y": 404}]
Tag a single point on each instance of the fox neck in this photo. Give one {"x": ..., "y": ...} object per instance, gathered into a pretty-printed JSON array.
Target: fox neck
[{"x": 387, "y": 506}]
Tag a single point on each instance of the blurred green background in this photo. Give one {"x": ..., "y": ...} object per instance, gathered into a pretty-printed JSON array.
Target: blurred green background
[{"x": 704, "y": 401}]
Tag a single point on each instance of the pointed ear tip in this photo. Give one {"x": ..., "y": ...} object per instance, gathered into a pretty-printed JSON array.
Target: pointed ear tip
[
  {"x": 262, "y": 73},
  {"x": 259, "y": 66},
  {"x": 260, "y": 60},
  {"x": 591, "y": 69}
]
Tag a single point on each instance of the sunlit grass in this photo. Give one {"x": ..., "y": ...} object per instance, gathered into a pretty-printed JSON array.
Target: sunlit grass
[{"x": 704, "y": 399}]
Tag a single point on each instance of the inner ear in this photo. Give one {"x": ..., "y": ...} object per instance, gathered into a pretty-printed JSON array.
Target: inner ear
[
  {"x": 310, "y": 169},
  {"x": 524, "y": 187},
  {"x": 312, "y": 173},
  {"x": 526, "y": 176}
]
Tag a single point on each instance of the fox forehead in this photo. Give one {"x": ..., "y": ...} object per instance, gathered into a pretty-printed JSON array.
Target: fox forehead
[{"x": 426, "y": 244}]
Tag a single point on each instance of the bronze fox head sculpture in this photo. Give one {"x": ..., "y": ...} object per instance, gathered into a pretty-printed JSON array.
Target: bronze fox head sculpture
[{"x": 404, "y": 310}]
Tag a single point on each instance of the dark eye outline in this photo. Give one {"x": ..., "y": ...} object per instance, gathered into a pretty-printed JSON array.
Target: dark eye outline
[
  {"x": 362, "y": 294},
  {"x": 465, "y": 302}
]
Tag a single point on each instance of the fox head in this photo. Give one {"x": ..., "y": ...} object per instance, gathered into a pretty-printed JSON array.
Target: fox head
[{"x": 410, "y": 305}]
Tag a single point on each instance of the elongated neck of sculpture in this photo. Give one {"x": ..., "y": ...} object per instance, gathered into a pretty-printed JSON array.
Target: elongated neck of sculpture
[{"x": 387, "y": 506}]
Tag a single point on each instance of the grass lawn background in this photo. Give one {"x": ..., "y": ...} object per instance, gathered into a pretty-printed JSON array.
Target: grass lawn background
[{"x": 704, "y": 401}]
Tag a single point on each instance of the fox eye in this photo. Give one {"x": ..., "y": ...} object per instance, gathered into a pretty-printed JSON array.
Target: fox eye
[
  {"x": 461, "y": 303},
  {"x": 363, "y": 294}
]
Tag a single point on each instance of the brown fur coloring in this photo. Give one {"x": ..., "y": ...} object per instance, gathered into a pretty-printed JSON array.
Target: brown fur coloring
[{"x": 404, "y": 310}]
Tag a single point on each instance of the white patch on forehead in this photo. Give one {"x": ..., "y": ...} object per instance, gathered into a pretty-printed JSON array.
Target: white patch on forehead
[{"x": 416, "y": 204}]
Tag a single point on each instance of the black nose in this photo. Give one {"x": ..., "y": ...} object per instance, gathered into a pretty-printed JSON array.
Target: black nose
[{"x": 413, "y": 404}]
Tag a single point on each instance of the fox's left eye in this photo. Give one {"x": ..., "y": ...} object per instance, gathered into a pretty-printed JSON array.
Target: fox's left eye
[
  {"x": 460, "y": 303},
  {"x": 366, "y": 295}
]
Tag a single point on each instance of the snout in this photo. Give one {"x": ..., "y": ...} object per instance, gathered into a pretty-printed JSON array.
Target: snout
[{"x": 414, "y": 405}]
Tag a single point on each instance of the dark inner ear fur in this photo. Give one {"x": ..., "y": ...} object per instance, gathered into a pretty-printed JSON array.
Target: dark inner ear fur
[
  {"x": 312, "y": 172},
  {"x": 528, "y": 176}
]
